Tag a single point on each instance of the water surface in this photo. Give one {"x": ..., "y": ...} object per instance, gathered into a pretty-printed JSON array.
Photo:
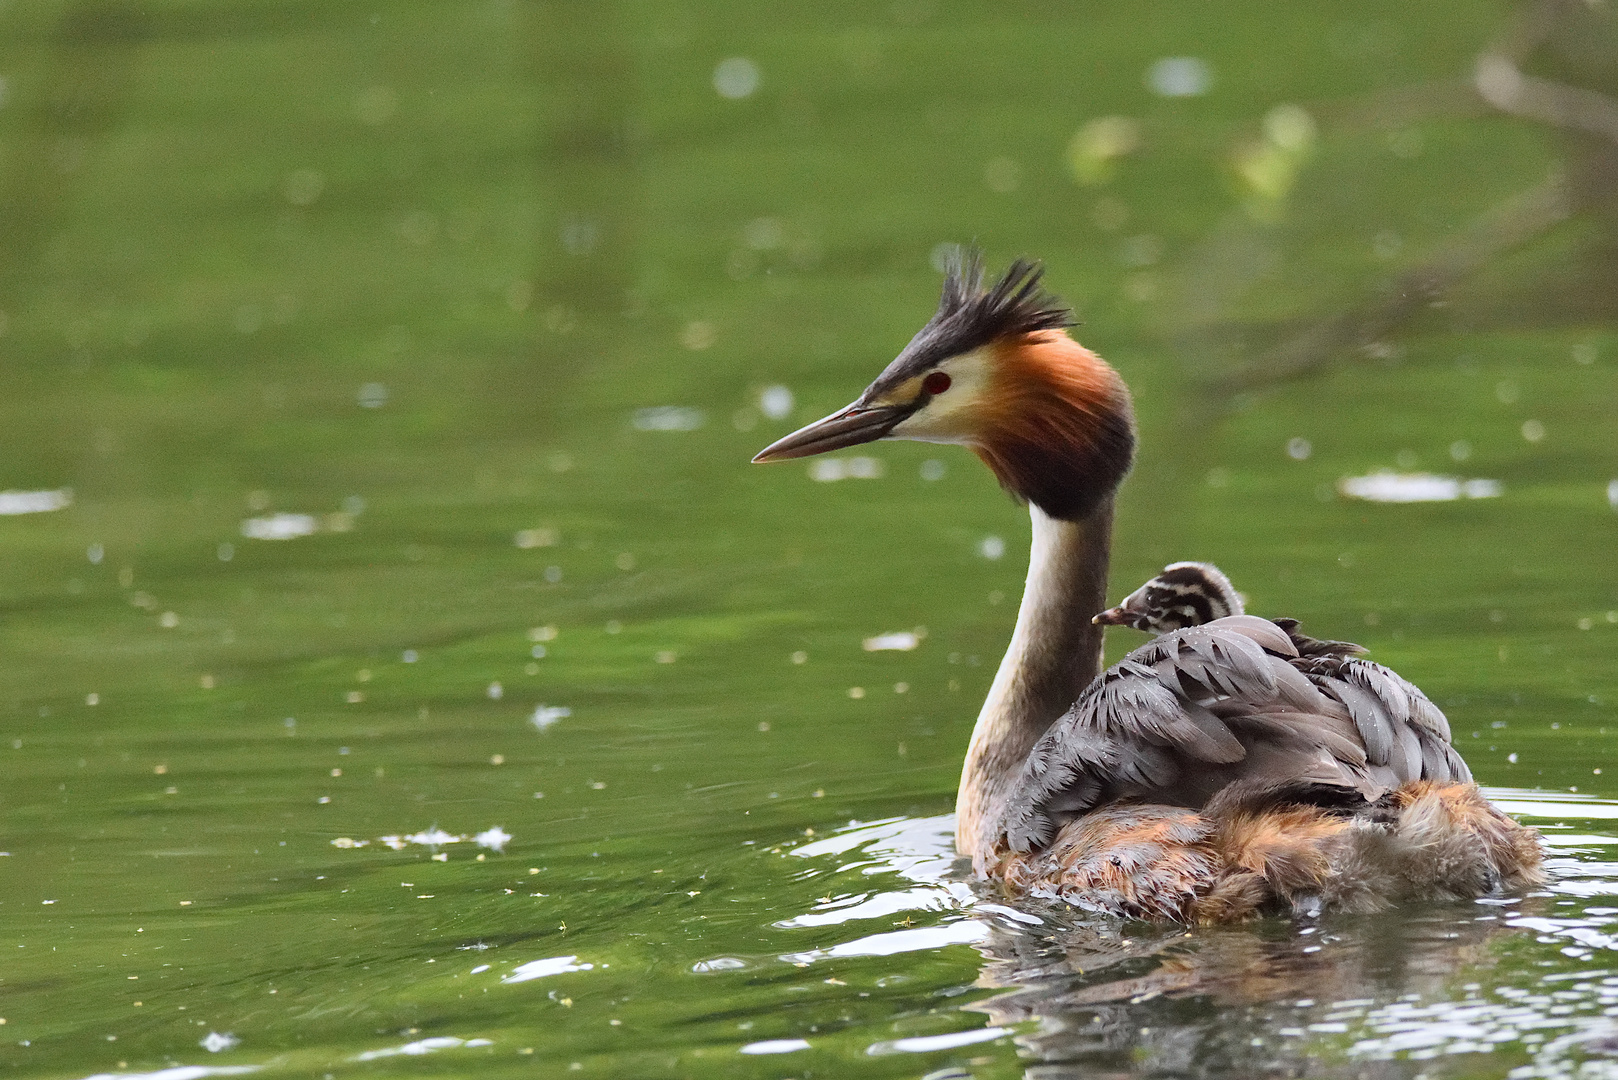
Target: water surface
[{"x": 402, "y": 670}]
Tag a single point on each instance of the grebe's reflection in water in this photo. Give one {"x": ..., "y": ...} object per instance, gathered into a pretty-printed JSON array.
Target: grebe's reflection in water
[
  {"x": 1258, "y": 1000},
  {"x": 1349, "y": 996}
]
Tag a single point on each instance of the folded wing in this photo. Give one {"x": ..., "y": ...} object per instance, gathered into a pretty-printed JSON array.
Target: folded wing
[{"x": 1198, "y": 709}]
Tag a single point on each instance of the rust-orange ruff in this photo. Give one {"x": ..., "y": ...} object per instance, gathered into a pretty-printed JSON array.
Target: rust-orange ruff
[
  {"x": 1246, "y": 854},
  {"x": 1056, "y": 426}
]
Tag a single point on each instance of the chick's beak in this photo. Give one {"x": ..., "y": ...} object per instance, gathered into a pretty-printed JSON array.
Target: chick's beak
[
  {"x": 1118, "y": 616},
  {"x": 848, "y": 426}
]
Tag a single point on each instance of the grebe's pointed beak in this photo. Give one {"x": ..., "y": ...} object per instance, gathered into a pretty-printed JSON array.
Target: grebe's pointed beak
[{"x": 850, "y": 426}]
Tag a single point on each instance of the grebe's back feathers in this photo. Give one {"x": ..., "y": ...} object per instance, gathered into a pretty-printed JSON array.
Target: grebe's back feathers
[
  {"x": 1229, "y": 702},
  {"x": 1309, "y": 646}
]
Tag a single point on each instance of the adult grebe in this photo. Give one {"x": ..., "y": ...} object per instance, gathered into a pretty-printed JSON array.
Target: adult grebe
[{"x": 1204, "y": 777}]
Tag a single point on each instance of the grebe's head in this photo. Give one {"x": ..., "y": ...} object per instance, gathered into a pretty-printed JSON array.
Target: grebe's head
[
  {"x": 995, "y": 370},
  {"x": 1184, "y": 594}
]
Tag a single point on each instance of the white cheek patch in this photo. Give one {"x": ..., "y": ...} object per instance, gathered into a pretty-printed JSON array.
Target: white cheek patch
[{"x": 950, "y": 417}]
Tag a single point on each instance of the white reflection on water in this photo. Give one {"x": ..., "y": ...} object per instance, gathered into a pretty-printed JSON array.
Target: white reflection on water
[
  {"x": 950, "y": 896},
  {"x": 775, "y": 1046},
  {"x": 829, "y": 470},
  {"x": 1179, "y": 76},
  {"x": 927, "y": 1044},
  {"x": 669, "y": 418},
  {"x": 775, "y": 402},
  {"x": 1392, "y": 487},
  {"x": 919, "y": 849},
  {"x": 961, "y": 932},
  {"x": 180, "y": 1072},
  {"x": 420, "y": 1047},
  {"x": 899, "y": 641},
  {"x": 280, "y": 527},
  {"x": 539, "y": 969},
  {"x": 36, "y": 502}
]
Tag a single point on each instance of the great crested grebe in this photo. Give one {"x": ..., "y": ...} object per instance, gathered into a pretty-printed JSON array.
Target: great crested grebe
[{"x": 1209, "y": 775}]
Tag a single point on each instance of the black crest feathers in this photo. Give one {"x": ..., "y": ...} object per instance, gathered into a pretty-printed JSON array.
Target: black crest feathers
[
  {"x": 970, "y": 316},
  {"x": 1016, "y": 304}
]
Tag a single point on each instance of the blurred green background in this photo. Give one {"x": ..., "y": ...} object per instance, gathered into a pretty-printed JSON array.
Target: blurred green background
[{"x": 482, "y": 308}]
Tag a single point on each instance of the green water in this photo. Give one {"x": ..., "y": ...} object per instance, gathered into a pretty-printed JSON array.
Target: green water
[{"x": 415, "y": 270}]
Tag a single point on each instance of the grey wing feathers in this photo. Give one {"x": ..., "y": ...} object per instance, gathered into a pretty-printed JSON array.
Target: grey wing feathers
[
  {"x": 1163, "y": 712},
  {"x": 1401, "y": 727},
  {"x": 1197, "y": 709}
]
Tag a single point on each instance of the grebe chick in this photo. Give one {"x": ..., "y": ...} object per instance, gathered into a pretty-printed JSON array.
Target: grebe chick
[
  {"x": 1184, "y": 594},
  {"x": 1207, "y": 776},
  {"x": 1194, "y": 593}
]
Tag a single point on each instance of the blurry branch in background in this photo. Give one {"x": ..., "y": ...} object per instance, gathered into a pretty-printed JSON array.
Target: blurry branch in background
[
  {"x": 1367, "y": 325},
  {"x": 1585, "y": 179}
]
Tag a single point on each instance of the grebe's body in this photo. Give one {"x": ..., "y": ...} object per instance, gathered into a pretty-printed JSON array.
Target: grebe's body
[{"x": 1217, "y": 771}]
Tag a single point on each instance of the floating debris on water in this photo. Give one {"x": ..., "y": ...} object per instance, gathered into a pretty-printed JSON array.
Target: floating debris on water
[
  {"x": 280, "y": 526},
  {"x": 495, "y": 838},
  {"x": 1388, "y": 486},
  {"x": 669, "y": 418},
  {"x": 546, "y": 715},
  {"x": 719, "y": 963},
  {"x": 219, "y": 1040},
  {"x": 39, "y": 502},
  {"x": 829, "y": 470},
  {"x": 898, "y": 641}
]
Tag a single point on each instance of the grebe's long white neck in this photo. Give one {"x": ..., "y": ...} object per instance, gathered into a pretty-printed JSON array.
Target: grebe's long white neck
[{"x": 1055, "y": 652}]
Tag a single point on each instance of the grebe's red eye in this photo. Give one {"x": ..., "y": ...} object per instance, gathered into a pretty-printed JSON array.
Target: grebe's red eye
[{"x": 935, "y": 383}]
